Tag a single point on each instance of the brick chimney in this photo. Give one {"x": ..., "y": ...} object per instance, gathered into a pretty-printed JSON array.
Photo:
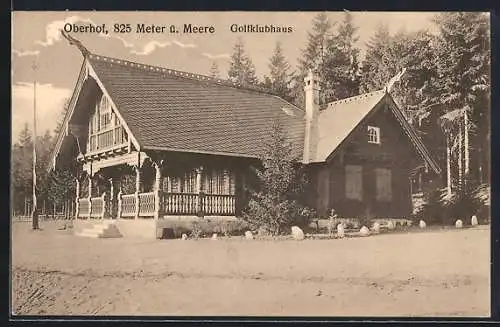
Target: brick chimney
[{"x": 311, "y": 92}]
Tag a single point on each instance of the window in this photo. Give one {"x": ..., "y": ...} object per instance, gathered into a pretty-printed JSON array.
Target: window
[
  {"x": 189, "y": 182},
  {"x": 383, "y": 182},
  {"x": 218, "y": 182},
  {"x": 373, "y": 134},
  {"x": 354, "y": 182},
  {"x": 104, "y": 113}
]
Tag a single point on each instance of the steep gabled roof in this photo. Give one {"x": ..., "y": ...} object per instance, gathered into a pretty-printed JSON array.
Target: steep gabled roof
[
  {"x": 171, "y": 110},
  {"x": 165, "y": 109},
  {"x": 339, "y": 119}
]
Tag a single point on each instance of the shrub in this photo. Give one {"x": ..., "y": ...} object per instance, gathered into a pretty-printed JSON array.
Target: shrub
[
  {"x": 431, "y": 210},
  {"x": 364, "y": 221},
  {"x": 196, "y": 230},
  {"x": 275, "y": 205},
  {"x": 462, "y": 204},
  {"x": 465, "y": 201},
  {"x": 482, "y": 194},
  {"x": 205, "y": 227}
]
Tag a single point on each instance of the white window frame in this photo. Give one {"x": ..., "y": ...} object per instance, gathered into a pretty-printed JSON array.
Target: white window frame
[{"x": 373, "y": 134}]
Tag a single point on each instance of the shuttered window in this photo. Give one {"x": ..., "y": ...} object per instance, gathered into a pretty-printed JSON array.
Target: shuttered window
[
  {"x": 354, "y": 182},
  {"x": 383, "y": 181}
]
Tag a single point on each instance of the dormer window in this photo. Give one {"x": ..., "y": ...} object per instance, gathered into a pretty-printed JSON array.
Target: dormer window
[{"x": 373, "y": 134}]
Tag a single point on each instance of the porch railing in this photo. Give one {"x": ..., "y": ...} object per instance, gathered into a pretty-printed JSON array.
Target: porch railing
[
  {"x": 97, "y": 207},
  {"x": 83, "y": 207},
  {"x": 146, "y": 204},
  {"x": 218, "y": 204},
  {"x": 171, "y": 204},
  {"x": 180, "y": 203},
  {"x": 107, "y": 139},
  {"x": 128, "y": 205}
]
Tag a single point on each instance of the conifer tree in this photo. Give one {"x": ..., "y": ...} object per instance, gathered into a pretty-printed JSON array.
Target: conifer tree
[
  {"x": 279, "y": 78},
  {"x": 21, "y": 169},
  {"x": 464, "y": 84},
  {"x": 378, "y": 65},
  {"x": 312, "y": 55},
  {"x": 241, "y": 70},
  {"x": 275, "y": 205},
  {"x": 340, "y": 63}
]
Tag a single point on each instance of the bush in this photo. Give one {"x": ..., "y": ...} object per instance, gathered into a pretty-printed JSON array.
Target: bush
[
  {"x": 439, "y": 208},
  {"x": 195, "y": 230},
  {"x": 364, "y": 221},
  {"x": 205, "y": 227},
  {"x": 462, "y": 204},
  {"x": 274, "y": 205},
  {"x": 432, "y": 210},
  {"x": 482, "y": 194}
]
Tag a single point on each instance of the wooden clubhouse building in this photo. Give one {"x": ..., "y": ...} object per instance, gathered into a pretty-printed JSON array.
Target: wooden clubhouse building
[{"x": 149, "y": 143}]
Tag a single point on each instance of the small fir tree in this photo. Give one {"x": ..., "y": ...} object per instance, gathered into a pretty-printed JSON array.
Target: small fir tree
[
  {"x": 279, "y": 78},
  {"x": 242, "y": 69},
  {"x": 275, "y": 205}
]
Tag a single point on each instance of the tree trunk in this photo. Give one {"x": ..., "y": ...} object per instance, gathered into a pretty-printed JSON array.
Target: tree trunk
[
  {"x": 460, "y": 157},
  {"x": 466, "y": 143},
  {"x": 448, "y": 166},
  {"x": 480, "y": 165}
]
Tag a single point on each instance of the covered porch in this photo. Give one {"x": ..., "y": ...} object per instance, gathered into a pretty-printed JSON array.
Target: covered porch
[{"x": 136, "y": 185}]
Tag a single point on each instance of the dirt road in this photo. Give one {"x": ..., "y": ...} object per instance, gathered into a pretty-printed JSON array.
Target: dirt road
[{"x": 436, "y": 273}]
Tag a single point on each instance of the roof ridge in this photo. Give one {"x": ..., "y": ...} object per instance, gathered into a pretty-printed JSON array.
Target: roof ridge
[
  {"x": 356, "y": 97},
  {"x": 182, "y": 74}
]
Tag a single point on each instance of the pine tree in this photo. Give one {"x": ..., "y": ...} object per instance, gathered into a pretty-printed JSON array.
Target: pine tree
[
  {"x": 340, "y": 63},
  {"x": 21, "y": 169},
  {"x": 275, "y": 204},
  {"x": 241, "y": 70},
  {"x": 377, "y": 67},
  {"x": 43, "y": 151},
  {"x": 312, "y": 55},
  {"x": 280, "y": 78},
  {"x": 464, "y": 85},
  {"x": 317, "y": 40},
  {"x": 61, "y": 186},
  {"x": 214, "y": 70}
]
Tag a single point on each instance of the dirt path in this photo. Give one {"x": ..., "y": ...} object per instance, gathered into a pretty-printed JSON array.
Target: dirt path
[{"x": 424, "y": 274}]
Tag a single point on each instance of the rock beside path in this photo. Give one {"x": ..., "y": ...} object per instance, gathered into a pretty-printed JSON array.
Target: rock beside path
[{"x": 297, "y": 233}]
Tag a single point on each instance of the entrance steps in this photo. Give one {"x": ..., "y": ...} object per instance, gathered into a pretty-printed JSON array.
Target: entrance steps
[{"x": 101, "y": 230}]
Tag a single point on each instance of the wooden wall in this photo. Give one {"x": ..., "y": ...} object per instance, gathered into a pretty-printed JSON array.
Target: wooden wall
[{"x": 395, "y": 152}]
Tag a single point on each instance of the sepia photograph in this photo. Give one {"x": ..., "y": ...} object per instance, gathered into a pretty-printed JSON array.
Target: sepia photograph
[{"x": 250, "y": 164}]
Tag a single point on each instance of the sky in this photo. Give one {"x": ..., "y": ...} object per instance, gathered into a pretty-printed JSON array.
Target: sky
[{"x": 36, "y": 38}]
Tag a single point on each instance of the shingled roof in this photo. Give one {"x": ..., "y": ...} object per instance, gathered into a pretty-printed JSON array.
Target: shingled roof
[
  {"x": 171, "y": 110},
  {"x": 339, "y": 119}
]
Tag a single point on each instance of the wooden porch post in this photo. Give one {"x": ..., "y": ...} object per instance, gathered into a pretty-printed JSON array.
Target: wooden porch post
[
  {"x": 137, "y": 189},
  {"x": 103, "y": 199},
  {"x": 77, "y": 200},
  {"x": 90, "y": 195},
  {"x": 199, "y": 190},
  {"x": 119, "y": 211},
  {"x": 158, "y": 190},
  {"x": 111, "y": 198}
]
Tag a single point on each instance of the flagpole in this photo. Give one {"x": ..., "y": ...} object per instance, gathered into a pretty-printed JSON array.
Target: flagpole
[{"x": 34, "y": 213}]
